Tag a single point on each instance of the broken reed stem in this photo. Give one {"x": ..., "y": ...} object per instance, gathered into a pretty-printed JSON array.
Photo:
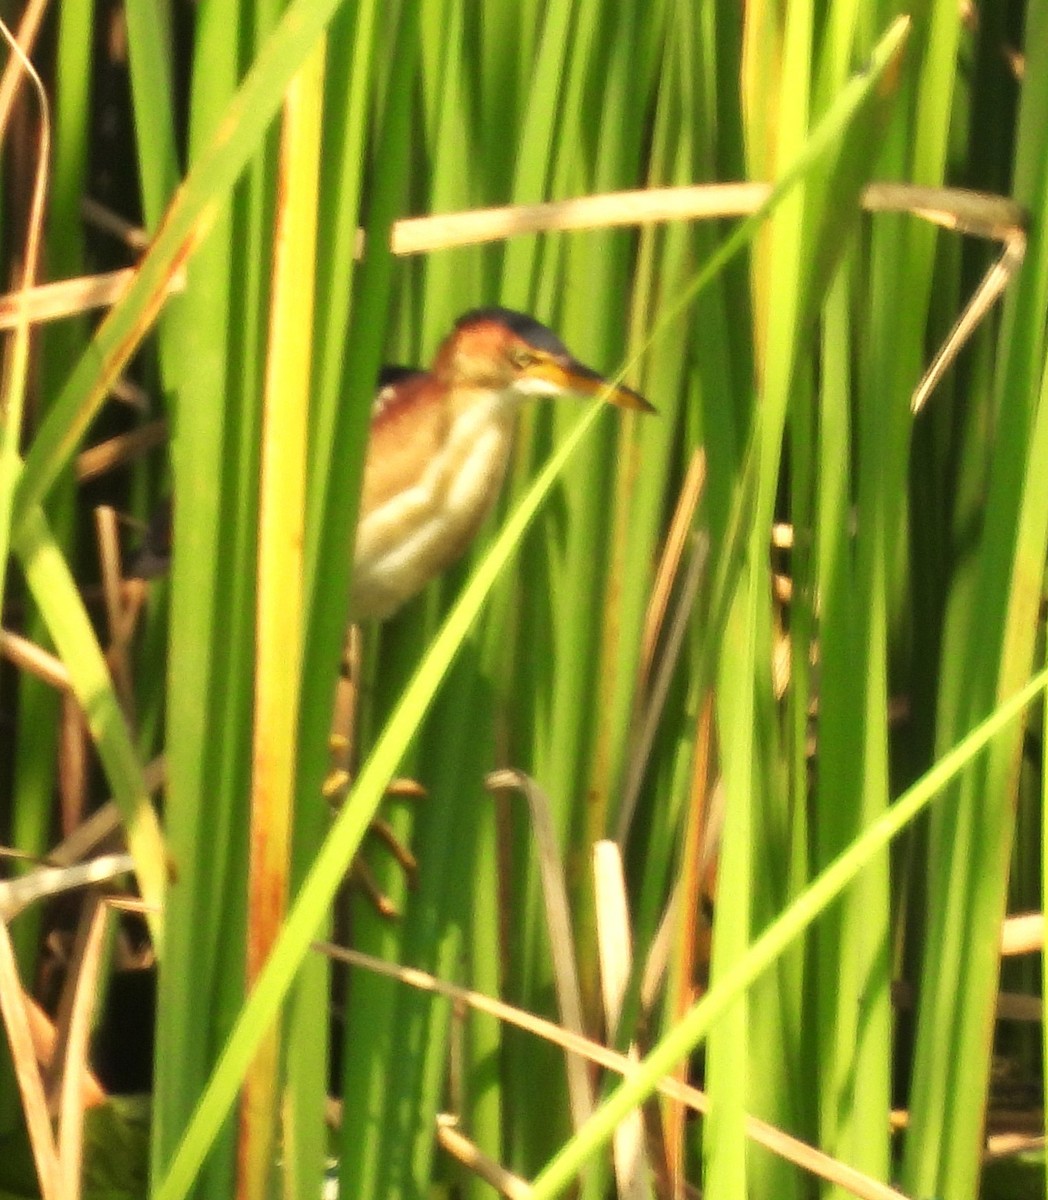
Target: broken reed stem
[{"x": 977, "y": 214}]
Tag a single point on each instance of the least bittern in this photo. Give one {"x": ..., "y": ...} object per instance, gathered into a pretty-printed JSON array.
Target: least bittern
[
  {"x": 439, "y": 443},
  {"x": 440, "y": 440}
]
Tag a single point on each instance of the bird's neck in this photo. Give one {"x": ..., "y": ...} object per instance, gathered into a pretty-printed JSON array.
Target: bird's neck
[
  {"x": 477, "y": 406},
  {"x": 477, "y": 449}
]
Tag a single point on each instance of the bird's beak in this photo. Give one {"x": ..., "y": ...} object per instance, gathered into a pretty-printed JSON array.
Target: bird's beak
[{"x": 573, "y": 376}]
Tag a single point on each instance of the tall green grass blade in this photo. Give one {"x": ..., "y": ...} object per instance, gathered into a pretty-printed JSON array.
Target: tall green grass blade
[
  {"x": 279, "y": 636},
  {"x": 150, "y": 45},
  {"x": 204, "y": 349}
]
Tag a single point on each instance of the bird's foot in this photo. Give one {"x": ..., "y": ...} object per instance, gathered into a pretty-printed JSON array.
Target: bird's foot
[{"x": 335, "y": 787}]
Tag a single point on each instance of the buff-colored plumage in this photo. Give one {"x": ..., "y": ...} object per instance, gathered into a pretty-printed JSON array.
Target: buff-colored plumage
[{"x": 440, "y": 441}]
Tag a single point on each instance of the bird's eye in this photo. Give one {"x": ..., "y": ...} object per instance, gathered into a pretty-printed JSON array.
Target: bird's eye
[{"x": 522, "y": 358}]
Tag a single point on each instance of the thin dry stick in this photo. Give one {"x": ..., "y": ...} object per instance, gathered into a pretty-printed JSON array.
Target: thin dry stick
[
  {"x": 470, "y": 1155},
  {"x": 45, "y": 1039},
  {"x": 18, "y": 894},
  {"x": 123, "y": 448},
  {"x": 105, "y": 219},
  {"x": 976, "y": 213},
  {"x": 73, "y": 764},
  {"x": 108, "y": 532},
  {"x": 682, "y": 921},
  {"x": 102, "y": 824},
  {"x": 121, "y": 609},
  {"x": 1023, "y": 934},
  {"x": 16, "y": 362},
  {"x": 27, "y": 1071},
  {"x": 653, "y": 698},
  {"x": 1017, "y": 1006},
  {"x": 71, "y": 297},
  {"x": 670, "y": 562},
  {"x": 25, "y": 39},
  {"x": 655, "y": 701},
  {"x": 1007, "y": 1145},
  {"x": 983, "y": 299},
  {"x": 648, "y": 206},
  {"x": 789, "y": 1148},
  {"x": 33, "y": 658},
  {"x": 74, "y": 1035}
]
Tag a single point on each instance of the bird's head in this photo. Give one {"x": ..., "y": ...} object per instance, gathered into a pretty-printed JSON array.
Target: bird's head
[{"x": 497, "y": 350}]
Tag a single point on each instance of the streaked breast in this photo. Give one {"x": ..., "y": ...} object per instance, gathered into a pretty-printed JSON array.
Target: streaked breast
[{"x": 429, "y": 483}]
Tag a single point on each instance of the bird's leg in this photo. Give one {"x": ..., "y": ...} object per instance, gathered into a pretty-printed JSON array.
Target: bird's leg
[{"x": 342, "y": 745}]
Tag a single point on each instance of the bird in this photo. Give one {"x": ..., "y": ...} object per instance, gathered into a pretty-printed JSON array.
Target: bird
[
  {"x": 440, "y": 442},
  {"x": 438, "y": 448}
]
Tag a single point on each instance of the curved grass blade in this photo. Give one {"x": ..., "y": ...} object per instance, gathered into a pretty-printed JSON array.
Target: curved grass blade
[
  {"x": 14, "y": 383},
  {"x": 55, "y": 593}
]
